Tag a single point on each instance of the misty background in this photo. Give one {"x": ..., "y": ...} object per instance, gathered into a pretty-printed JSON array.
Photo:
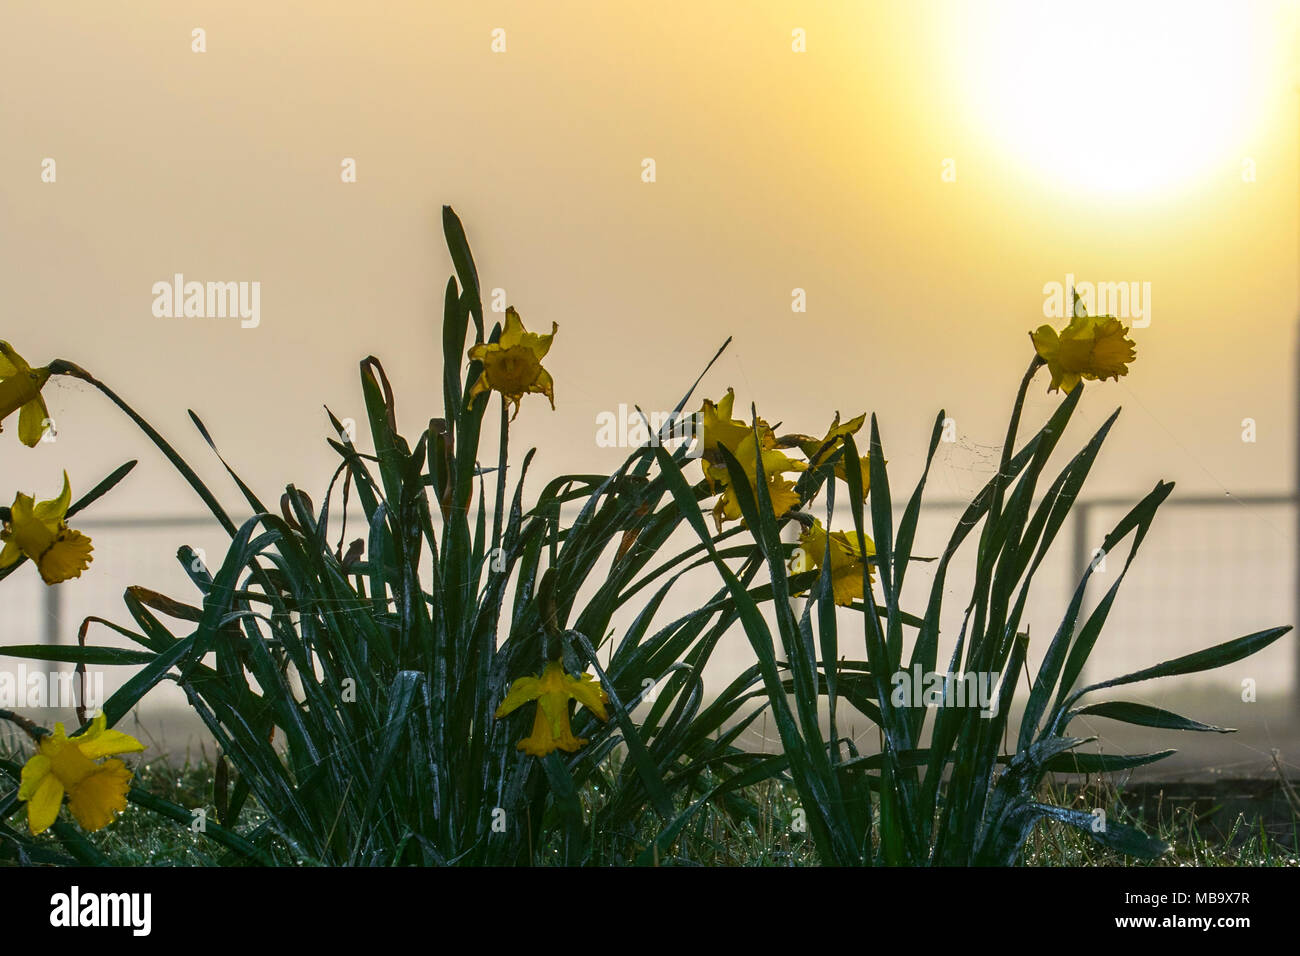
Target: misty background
[{"x": 878, "y": 170}]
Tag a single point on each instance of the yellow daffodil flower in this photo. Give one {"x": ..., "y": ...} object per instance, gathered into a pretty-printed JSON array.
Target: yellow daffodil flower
[
  {"x": 37, "y": 529},
  {"x": 513, "y": 364},
  {"x": 67, "y": 765},
  {"x": 20, "y": 388},
  {"x": 775, "y": 464},
  {"x": 553, "y": 691},
  {"x": 864, "y": 465},
  {"x": 816, "y": 448},
  {"x": 719, "y": 430},
  {"x": 847, "y": 557},
  {"x": 819, "y": 449},
  {"x": 1091, "y": 347}
]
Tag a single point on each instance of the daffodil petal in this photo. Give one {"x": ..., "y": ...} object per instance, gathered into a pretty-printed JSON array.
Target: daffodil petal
[
  {"x": 23, "y": 508},
  {"x": 587, "y": 692},
  {"x": 10, "y": 554},
  {"x": 539, "y": 344},
  {"x": 34, "y": 772},
  {"x": 521, "y": 692},
  {"x": 545, "y": 385},
  {"x": 99, "y": 741},
  {"x": 1046, "y": 342},
  {"x": 513, "y": 332},
  {"x": 32, "y": 422},
  {"x": 43, "y": 805},
  {"x": 11, "y": 363},
  {"x": 51, "y": 512}
]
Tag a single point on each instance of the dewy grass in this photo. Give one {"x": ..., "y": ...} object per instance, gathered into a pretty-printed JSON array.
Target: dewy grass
[
  {"x": 358, "y": 681},
  {"x": 770, "y": 836}
]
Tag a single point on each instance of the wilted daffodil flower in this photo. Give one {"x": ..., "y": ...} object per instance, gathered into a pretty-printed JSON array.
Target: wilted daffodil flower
[
  {"x": 864, "y": 466},
  {"x": 819, "y": 449},
  {"x": 513, "y": 364},
  {"x": 20, "y": 388},
  {"x": 553, "y": 691},
  {"x": 847, "y": 557},
  {"x": 1091, "y": 347},
  {"x": 67, "y": 765},
  {"x": 37, "y": 529}
]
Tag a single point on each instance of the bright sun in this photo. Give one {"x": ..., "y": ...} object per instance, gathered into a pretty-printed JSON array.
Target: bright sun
[{"x": 1119, "y": 97}]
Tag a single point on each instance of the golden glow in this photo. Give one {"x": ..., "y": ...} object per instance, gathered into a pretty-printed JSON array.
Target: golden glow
[{"x": 1120, "y": 97}]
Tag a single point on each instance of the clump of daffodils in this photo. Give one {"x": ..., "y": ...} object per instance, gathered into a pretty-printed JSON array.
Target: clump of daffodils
[
  {"x": 1093, "y": 348},
  {"x": 750, "y": 445},
  {"x": 758, "y": 444},
  {"x": 74, "y": 767}
]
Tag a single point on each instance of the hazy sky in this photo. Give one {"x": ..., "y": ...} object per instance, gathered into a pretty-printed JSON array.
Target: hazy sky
[
  {"x": 1114, "y": 142},
  {"x": 921, "y": 170}
]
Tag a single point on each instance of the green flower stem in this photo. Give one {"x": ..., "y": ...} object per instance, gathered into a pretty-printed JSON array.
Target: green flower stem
[{"x": 63, "y": 367}]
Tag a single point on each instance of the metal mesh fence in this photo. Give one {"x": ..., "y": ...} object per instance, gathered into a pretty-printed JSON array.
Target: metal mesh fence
[{"x": 1210, "y": 570}]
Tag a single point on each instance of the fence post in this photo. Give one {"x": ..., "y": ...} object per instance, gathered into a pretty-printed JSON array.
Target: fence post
[
  {"x": 53, "y": 615},
  {"x": 1082, "y": 557}
]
